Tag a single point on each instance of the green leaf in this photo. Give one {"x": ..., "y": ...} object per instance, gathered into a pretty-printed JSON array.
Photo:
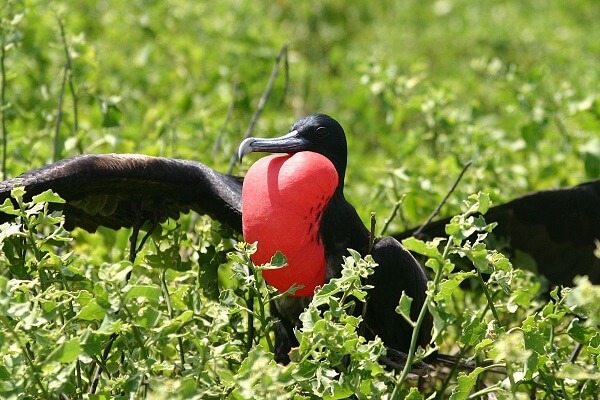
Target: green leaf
[
  {"x": 414, "y": 394},
  {"x": 47, "y": 196},
  {"x": 465, "y": 384},
  {"x": 403, "y": 307},
  {"x": 17, "y": 192},
  {"x": 92, "y": 343},
  {"x": 591, "y": 157},
  {"x": 421, "y": 247},
  {"x": 278, "y": 260},
  {"x": 4, "y": 374},
  {"x": 480, "y": 203},
  {"x": 535, "y": 340},
  {"x": 448, "y": 287},
  {"x": 66, "y": 352},
  {"x": 148, "y": 293},
  {"x": 473, "y": 330},
  {"x": 578, "y": 372},
  {"x": 8, "y": 208},
  {"x": 147, "y": 317},
  {"x": 208, "y": 275},
  {"x": 109, "y": 326},
  {"x": 584, "y": 298},
  {"x": 594, "y": 344},
  {"x": 484, "y": 202},
  {"x": 92, "y": 311}
]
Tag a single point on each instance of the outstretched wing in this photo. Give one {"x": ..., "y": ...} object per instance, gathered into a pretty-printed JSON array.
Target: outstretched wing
[
  {"x": 120, "y": 190},
  {"x": 557, "y": 227}
]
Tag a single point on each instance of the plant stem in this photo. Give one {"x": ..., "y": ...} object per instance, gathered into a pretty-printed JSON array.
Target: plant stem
[
  {"x": 443, "y": 201},
  {"x": 250, "y": 304},
  {"x": 56, "y": 153},
  {"x": 490, "y": 389},
  {"x": 372, "y": 233},
  {"x": 3, "y": 103},
  {"x": 36, "y": 374},
  {"x": 262, "y": 102},
  {"x": 67, "y": 80},
  {"x": 217, "y": 146},
  {"x": 171, "y": 314},
  {"x": 389, "y": 219},
  {"x": 79, "y": 380},
  {"x": 422, "y": 314},
  {"x": 262, "y": 310},
  {"x": 486, "y": 292}
]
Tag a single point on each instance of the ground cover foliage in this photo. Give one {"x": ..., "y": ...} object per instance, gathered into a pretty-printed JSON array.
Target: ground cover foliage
[{"x": 421, "y": 89}]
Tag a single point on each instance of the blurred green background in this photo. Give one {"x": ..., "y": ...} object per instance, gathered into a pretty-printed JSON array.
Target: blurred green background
[{"x": 421, "y": 87}]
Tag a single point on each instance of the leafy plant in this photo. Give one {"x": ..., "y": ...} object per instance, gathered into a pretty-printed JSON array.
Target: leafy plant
[
  {"x": 422, "y": 88},
  {"x": 75, "y": 329}
]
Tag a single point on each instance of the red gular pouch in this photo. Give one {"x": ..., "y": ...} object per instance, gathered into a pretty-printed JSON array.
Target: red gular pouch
[{"x": 283, "y": 198}]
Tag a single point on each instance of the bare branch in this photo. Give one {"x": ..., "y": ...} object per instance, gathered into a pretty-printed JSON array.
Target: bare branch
[
  {"x": 263, "y": 101},
  {"x": 236, "y": 86},
  {"x": 443, "y": 201}
]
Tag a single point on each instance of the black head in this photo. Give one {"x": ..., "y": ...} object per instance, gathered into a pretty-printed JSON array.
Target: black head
[{"x": 318, "y": 133}]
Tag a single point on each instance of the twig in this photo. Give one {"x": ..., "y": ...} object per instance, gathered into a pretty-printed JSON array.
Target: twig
[
  {"x": 66, "y": 80},
  {"x": 98, "y": 369},
  {"x": 167, "y": 296},
  {"x": 575, "y": 353},
  {"x": 488, "y": 298},
  {"x": 443, "y": 201},
  {"x": 145, "y": 238},
  {"x": 415, "y": 334},
  {"x": 133, "y": 250},
  {"x": 3, "y": 101},
  {"x": 70, "y": 78},
  {"x": 262, "y": 102},
  {"x": 236, "y": 86},
  {"x": 286, "y": 69},
  {"x": 389, "y": 219},
  {"x": 372, "y": 234}
]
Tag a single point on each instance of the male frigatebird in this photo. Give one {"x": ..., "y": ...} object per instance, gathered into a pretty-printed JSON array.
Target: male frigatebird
[
  {"x": 294, "y": 203},
  {"x": 128, "y": 190}
]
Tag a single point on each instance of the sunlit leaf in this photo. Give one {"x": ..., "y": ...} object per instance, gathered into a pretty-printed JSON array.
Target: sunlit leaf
[
  {"x": 66, "y": 352},
  {"x": 47, "y": 197}
]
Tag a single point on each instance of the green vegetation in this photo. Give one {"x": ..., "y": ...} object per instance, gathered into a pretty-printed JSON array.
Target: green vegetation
[{"x": 420, "y": 87}]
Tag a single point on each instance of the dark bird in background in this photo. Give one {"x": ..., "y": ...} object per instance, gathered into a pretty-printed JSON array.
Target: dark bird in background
[{"x": 556, "y": 227}]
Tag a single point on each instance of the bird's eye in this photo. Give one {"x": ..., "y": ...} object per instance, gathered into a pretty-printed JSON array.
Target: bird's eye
[{"x": 321, "y": 132}]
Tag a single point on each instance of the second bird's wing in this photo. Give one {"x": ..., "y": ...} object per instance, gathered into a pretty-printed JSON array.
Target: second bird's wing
[{"x": 558, "y": 228}]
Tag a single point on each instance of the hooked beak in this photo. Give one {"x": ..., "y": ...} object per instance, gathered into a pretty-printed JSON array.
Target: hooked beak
[{"x": 290, "y": 143}]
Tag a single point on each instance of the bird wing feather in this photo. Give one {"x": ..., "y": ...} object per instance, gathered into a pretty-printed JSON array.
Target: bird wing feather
[
  {"x": 118, "y": 190},
  {"x": 556, "y": 227}
]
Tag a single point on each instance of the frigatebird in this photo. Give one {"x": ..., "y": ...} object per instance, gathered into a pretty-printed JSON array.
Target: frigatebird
[
  {"x": 294, "y": 203},
  {"x": 128, "y": 190}
]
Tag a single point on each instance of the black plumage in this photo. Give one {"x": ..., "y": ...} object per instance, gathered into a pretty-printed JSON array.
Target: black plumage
[
  {"x": 120, "y": 190},
  {"x": 558, "y": 228}
]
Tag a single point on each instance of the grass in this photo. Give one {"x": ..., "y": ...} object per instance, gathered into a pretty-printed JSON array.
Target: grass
[{"x": 421, "y": 88}]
